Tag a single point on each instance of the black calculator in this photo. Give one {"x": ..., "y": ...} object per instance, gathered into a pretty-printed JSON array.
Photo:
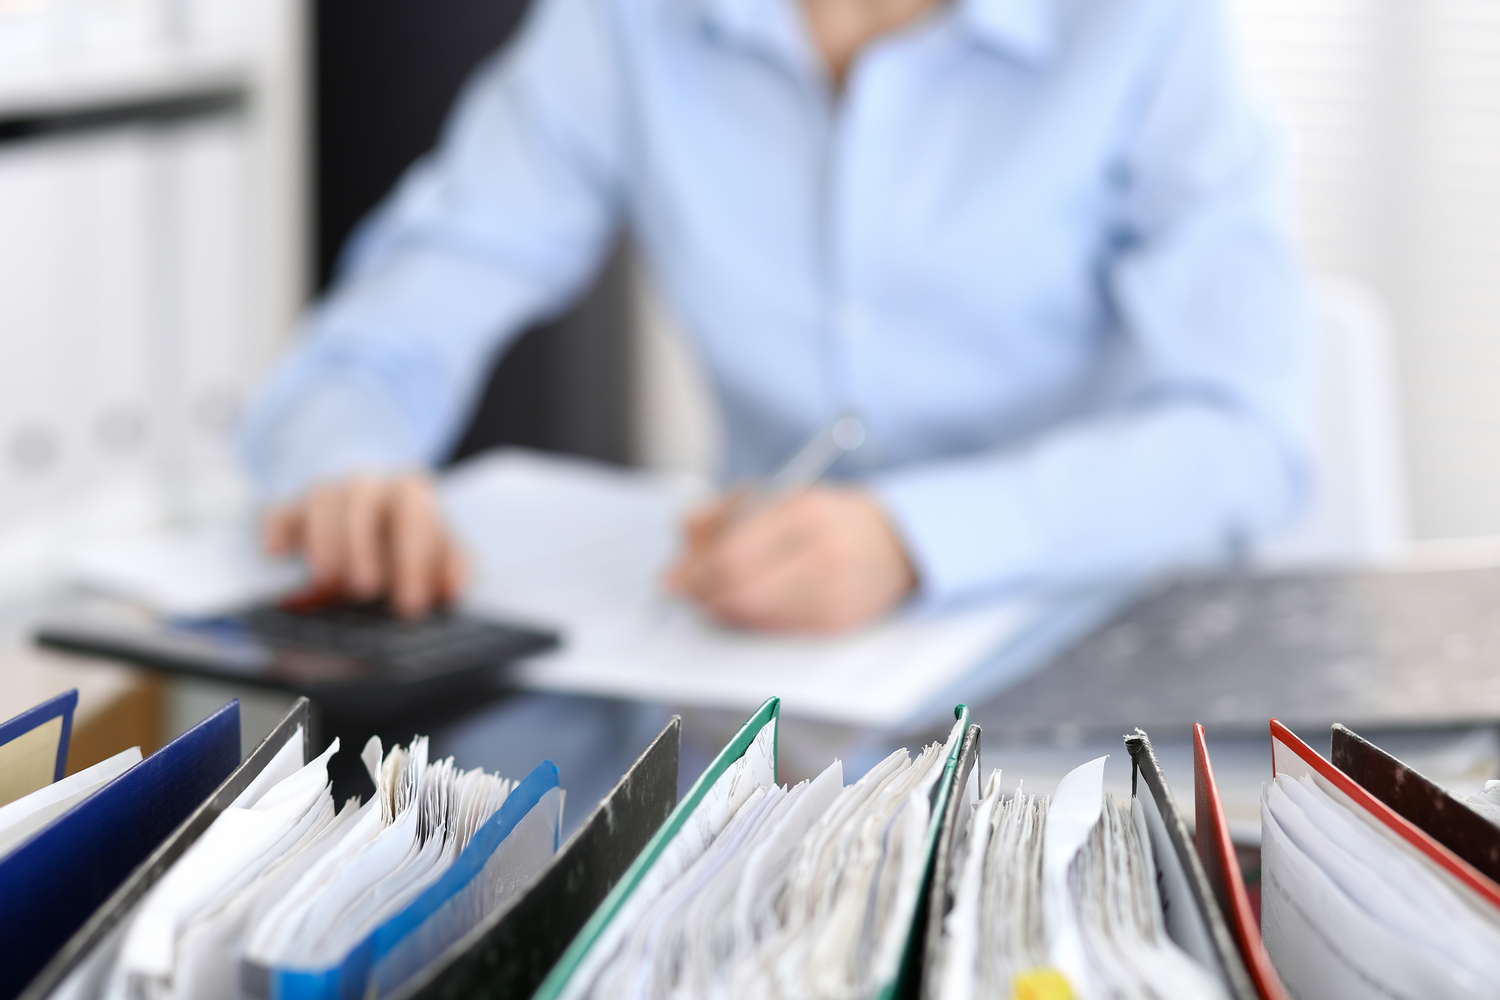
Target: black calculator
[{"x": 320, "y": 650}]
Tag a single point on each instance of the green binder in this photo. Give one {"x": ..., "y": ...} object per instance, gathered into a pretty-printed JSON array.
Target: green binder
[
  {"x": 913, "y": 921},
  {"x": 907, "y": 980}
]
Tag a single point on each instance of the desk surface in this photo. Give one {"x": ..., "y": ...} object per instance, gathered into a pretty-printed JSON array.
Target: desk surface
[
  {"x": 1374, "y": 650},
  {"x": 118, "y": 706}
]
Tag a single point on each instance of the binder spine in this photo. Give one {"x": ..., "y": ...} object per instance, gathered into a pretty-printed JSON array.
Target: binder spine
[
  {"x": 955, "y": 826},
  {"x": 509, "y": 954},
  {"x": 1147, "y": 769}
]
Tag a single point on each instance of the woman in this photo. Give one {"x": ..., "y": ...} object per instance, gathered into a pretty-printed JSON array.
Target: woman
[{"x": 1031, "y": 244}]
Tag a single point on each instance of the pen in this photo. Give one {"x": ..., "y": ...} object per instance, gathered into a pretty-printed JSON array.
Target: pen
[{"x": 809, "y": 464}]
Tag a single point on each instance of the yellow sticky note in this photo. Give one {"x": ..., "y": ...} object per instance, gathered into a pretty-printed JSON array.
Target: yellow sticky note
[{"x": 1040, "y": 984}]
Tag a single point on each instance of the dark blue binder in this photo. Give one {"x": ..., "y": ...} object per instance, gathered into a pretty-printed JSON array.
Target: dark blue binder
[
  {"x": 63, "y": 705},
  {"x": 52, "y": 883},
  {"x": 122, "y": 902}
]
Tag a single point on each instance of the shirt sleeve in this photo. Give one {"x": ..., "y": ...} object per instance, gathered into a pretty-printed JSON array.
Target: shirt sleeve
[
  {"x": 1208, "y": 449},
  {"x": 501, "y": 225}
]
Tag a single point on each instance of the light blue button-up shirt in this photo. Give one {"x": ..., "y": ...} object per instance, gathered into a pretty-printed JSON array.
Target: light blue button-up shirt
[{"x": 1033, "y": 244}]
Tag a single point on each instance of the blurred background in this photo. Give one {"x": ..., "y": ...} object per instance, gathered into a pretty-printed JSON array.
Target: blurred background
[{"x": 178, "y": 176}]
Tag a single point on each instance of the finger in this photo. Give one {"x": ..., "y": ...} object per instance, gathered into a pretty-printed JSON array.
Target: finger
[
  {"x": 750, "y": 549},
  {"x": 708, "y": 521},
  {"x": 417, "y": 543},
  {"x": 787, "y": 596},
  {"x": 282, "y": 528},
  {"x": 366, "y": 540},
  {"x": 454, "y": 574},
  {"x": 323, "y": 536},
  {"x": 678, "y": 574},
  {"x": 701, "y": 529}
]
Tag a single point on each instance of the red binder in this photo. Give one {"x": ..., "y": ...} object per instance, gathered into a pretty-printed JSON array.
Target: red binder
[{"x": 1217, "y": 853}]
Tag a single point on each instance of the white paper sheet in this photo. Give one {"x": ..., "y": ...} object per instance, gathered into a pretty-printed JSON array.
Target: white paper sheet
[
  {"x": 1349, "y": 910},
  {"x": 202, "y": 572},
  {"x": 582, "y": 547},
  {"x": 23, "y": 817}
]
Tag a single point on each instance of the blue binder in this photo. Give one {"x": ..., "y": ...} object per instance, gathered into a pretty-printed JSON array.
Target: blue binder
[
  {"x": 62, "y": 705},
  {"x": 52, "y": 883}
]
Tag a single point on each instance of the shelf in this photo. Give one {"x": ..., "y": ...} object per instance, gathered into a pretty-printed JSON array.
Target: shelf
[{"x": 85, "y": 93}]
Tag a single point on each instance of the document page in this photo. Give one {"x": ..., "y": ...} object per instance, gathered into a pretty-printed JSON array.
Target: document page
[
  {"x": 583, "y": 548},
  {"x": 202, "y": 572},
  {"x": 770, "y": 890},
  {"x": 1061, "y": 897},
  {"x": 1350, "y": 911},
  {"x": 23, "y": 817}
]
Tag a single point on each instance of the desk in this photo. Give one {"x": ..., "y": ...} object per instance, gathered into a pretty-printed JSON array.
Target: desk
[
  {"x": 1375, "y": 650},
  {"x": 118, "y": 707}
]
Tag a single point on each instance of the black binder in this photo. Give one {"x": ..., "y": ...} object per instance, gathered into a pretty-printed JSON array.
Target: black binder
[
  {"x": 1445, "y": 818},
  {"x": 1195, "y": 921},
  {"x": 513, "y": 949},
  {"x": 108, "y": 917}
]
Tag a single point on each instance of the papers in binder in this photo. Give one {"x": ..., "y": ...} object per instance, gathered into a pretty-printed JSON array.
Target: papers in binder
[
  {"x": 489, "y": 925},
  {"x": 1466, "y": 824},
  {"x": 288, "y": 894},
  {"x": 1357, "y": 900},
  {"x": 33, "y": 752},
  {"x": 30, "y": 813},
  {"x": 1487, "y": 802},
  {"x": 757, "y": 889},
  {"x": 1059, "y": 897}
]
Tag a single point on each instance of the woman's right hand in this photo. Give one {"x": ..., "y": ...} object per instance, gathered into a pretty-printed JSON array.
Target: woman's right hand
[{"x": 371, "y": 536}]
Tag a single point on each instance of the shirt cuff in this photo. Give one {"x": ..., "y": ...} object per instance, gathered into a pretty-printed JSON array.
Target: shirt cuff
[
  {"x": 966, "y": 526},
  {"x": 338, "y": 429}
]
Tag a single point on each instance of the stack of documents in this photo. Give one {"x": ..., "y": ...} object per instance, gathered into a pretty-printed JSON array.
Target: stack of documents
[
  {"x": 1487, "y": 802},
  {"x": 1062, "y": 891},
  {"x": 271, "y": 889},
  {"x": 756, "y": 889},
  {"x": 1360, "y": 900},
  {"x": 286, "y": 893},
  {"x": 917, "y": 878}
]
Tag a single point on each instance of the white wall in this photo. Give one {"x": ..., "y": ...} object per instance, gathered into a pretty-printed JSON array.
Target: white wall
[
  {"x": 1392, "y": 110},
  {"x": 149, "y": 269}
]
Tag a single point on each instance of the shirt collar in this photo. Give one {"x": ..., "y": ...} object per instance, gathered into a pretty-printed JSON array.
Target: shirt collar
[
  {"x": 767, "y": 25},
  {"x": 1026, "y": 29},
  {"x": 1023, "y": 28}
]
